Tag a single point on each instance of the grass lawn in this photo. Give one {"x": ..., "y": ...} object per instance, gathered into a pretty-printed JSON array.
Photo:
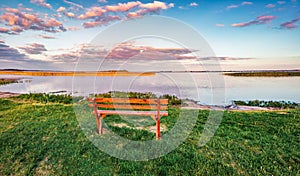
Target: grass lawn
[{"x": 46, "y": 139}]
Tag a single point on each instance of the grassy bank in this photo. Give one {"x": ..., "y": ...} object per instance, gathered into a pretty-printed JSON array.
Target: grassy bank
[
  {"x": 265, "y": 74},
  {"x": 38, "y": 138}
]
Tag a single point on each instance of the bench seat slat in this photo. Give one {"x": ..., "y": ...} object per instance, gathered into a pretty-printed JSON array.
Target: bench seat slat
[{"x": 140, "y": 113}]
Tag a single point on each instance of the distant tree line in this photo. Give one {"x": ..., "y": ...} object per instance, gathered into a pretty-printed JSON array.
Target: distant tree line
[{"x": 275, "y": 104}]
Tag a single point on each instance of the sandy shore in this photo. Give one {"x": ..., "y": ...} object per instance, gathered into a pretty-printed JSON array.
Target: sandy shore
[{"x": 193, "y": 105}]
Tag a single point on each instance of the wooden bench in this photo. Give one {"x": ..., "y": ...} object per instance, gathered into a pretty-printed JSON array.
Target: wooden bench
[{"x": 154, "y": 108}]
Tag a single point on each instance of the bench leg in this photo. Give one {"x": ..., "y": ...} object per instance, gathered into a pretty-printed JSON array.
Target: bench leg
[
  {"x": 99, "y": 124},
  {"x": 157, "y": 128}
]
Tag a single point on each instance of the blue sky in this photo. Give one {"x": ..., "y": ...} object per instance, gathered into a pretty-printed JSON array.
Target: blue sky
[{"x": 43, "y": 34}]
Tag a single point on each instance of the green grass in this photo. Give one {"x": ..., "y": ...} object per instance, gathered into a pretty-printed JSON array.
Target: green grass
[{"x": 46, "y": 139}]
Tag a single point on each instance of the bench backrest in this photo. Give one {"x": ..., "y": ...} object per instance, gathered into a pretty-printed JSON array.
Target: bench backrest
[{"x": 129, "y": 103}]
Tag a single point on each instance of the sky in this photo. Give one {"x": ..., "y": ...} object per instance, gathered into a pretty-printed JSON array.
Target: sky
[{"x": 54, "y": 34}]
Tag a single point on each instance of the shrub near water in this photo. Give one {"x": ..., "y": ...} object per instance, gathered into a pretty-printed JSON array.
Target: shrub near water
[{"x": 48, "y": 98}]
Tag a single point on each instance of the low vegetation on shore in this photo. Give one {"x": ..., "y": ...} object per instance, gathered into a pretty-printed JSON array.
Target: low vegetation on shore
[
  {"x": 273, "y": 104},
  {"x": 44, "y": 138},
  {"x": 265, "y": 74},
  {"x": 4, "y": 81}
]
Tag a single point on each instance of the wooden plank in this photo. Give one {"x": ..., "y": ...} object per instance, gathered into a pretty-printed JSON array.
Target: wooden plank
[
  {"x": 129, "y": 100},
  {"x": 129, "y": 107},
  {"x": 158, "y": 121},
  {"x": 138, "y": 113}
]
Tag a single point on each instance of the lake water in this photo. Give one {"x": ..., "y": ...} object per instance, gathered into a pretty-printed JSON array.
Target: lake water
[{"x": 207, "y": 88}]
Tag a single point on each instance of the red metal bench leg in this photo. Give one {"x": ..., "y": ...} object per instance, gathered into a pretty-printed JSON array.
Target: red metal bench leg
[
  {"x": 158, "y": 128},
  {"x": 100, "y": 131}
]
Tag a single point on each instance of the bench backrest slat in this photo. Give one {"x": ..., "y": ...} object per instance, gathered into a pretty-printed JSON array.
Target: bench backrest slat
[
  {"x": 129, "y": 100},
  {"x": 129, "y": 103}
]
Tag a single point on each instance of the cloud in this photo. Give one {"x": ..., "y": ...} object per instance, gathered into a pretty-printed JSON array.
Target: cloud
[
  {"x": 46, "y": 37},
  {"x": 193, "y": 4},
  {"x": 219, "y": 25},
  {"x": 61, "y": 9},
  {"x": 73, "y": 28},
  {"x": 223, "y": 58},
  {"x": 73, "y": 4},
  {"x": 232, "y": 6},
  {"x": 128, "y": 50},
  {"x": 290, "y": 24},
  {"x": 4, "y": 30},
  {"x": 247, "y": 3},
  {"x": 270, "y": 6},
  {"x": 104, "y": 15},
  {"x": 156, "y": 5},
  {"x": 99, "y": 21},
  {"x": 9, "y": 53},
  {"x": 92, "y": 13},
  {"x": 41, "y": 3},
  {"x": 122, "y": 7},
  {"x": 85, "y": 51},
  {"x": 149, "y": 8},
  {"x": 102, "y": 1},
  {"x": 70, "y": 14},
  {"x": 22, "y": 21},
  {"x": 257, "y": 21},
  {"x": 33, "y": 48},
  {"x": 182, "y": 7},
  {"x": 281, "y": 2}
]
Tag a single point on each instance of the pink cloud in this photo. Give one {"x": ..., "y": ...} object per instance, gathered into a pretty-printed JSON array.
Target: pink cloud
[
  {"x": 137, "y": 14},
  {"x": 156, "y": 5},
  {"x": 26, "y": 21},
  {"x": 70, "y": 14},
  {"x": 4, "y": 30},
  {"x": 61, "y": 9},
  {"x": 128, "y": 50},
  {"x": 16, "y": 29},
  {"x": 270, "y": 6},
  {"x": 257, "y": 21},
  {"x": 41, "y": 3},
  {"x": 122, "y": 7},
  {"x": 92, "y": 12},
  {"x": 73, "y": 28},
  {"x": 290, "y": 24}
]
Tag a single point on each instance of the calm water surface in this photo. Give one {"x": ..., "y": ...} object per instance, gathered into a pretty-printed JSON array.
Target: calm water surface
[{"x": 213, "y": 88}]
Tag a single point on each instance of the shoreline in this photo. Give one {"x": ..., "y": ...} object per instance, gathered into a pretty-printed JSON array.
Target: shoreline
[{"x": 190, "y": 105}]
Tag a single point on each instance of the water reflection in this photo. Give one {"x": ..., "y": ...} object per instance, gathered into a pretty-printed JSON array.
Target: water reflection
[{"x": 198, "y": 86}]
